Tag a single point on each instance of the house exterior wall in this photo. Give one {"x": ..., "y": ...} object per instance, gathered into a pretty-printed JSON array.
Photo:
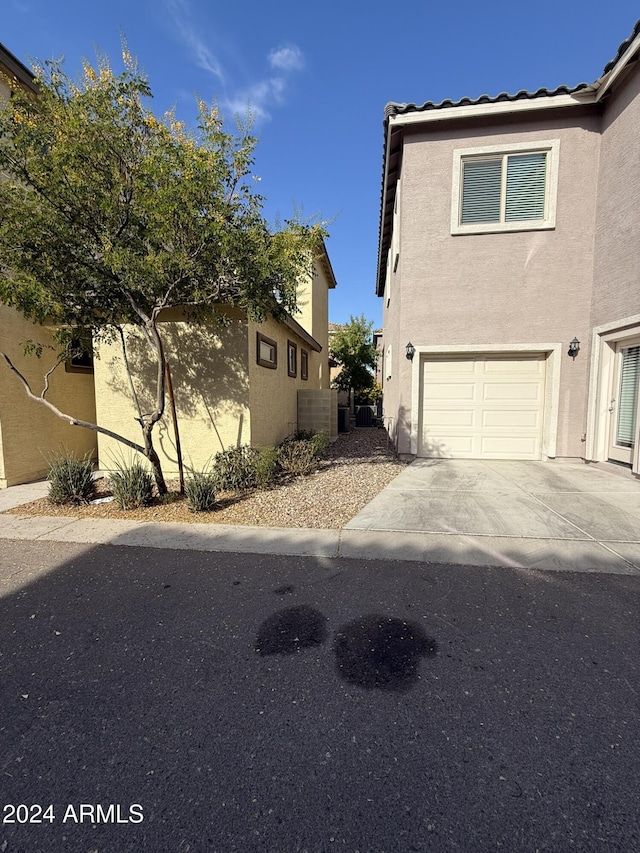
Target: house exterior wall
[
  {"x": 313, "y": 305},
  {"x": 616, "y": 281},
  {"x": 273, "y": 394},
  {"x": 497, "y": 288},
  {"x": 29, "y": 433},
  {"x": 210, "y": 382}
]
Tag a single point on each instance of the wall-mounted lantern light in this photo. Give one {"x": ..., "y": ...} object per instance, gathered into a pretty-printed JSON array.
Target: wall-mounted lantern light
[
  {"x": 574, "y": 348},
  {"x": 411, "y": 351}
]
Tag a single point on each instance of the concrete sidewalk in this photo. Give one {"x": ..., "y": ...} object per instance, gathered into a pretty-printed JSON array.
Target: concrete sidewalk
[{"x": 529, "y": 515}]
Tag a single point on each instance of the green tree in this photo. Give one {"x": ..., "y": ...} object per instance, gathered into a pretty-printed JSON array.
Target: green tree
[
  {"x": 353, "y": 348},
  {"x": 108, "y": 216}
]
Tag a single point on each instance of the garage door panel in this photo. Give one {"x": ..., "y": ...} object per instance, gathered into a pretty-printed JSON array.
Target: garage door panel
[
  {"x": 505, "y": 419},
  {"x": 521, "y": 366},
  {"x": 452, "y": 391},
  {"x": 513, "y": 391},
  {"x": 452, "y": 418},
  {"x": 448, "y": 367},
  {"x": 455, "y": 447},
  {"x": 482, "y": 406}
]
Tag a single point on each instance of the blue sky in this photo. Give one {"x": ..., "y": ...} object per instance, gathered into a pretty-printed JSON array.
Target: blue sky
[{"x": 318, "y": 77}]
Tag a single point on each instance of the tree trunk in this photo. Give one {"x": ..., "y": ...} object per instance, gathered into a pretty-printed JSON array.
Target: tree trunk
[{"x": 154, "y": 459}]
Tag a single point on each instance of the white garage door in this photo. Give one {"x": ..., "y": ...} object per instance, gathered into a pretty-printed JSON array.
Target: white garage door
[{"x": 482, "y": 406}]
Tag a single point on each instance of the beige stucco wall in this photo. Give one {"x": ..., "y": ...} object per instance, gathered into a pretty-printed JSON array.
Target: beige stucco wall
[
  {"x": 209, "y": 373},
  {"x": 616, "y": 282},
  {"x": 313, "y": 316},
  {"x": 223, "y": 397},
  {"x": 29, "y": 433},
  {"x": 273, "y": 393},
  {"x": 520, "y": 287}
]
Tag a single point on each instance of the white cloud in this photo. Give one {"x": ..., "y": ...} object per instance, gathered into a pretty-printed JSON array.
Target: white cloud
[
  {"x": 257, "y": 96},
  {"x": 201, "y": 53},
  {"x": 287, "y": 58}
]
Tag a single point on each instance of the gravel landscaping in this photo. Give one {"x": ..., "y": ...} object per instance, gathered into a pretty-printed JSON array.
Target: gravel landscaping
[{"x": 356, "y": 467}]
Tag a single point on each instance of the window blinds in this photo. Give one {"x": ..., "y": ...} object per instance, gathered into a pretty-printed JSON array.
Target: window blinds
[
  {"x": 628, "y": 398},
  {"x": 481, "y": 191},
  {"x": 526, "y": 175},
  {"x": 523, "y": 198}
]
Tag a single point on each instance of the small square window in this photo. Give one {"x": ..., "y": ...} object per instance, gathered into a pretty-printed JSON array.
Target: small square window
[
  {"x": 80, "y": 362},
  {"x": 304, "y": 364},
  {"x": 266, "y": 352},
  {"x": 292, "y": 359}
]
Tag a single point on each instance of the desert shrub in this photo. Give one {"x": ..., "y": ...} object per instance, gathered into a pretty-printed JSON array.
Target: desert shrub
[
  {"x": 234, "y": 468},
  {"x": 266, "y": 466},
  {"x": 71, "y": 480},
  {"x": 320, "y": 441},
  {"x": 297, "y": 457},
  {"x": 132, "y": 485},
  {"x": 200, "y": 490}
]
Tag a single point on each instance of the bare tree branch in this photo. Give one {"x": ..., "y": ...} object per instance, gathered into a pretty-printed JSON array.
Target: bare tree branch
[{"x": 69, "y": 418}]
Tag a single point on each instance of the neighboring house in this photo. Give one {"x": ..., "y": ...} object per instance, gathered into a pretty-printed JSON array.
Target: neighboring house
[
  {"x": 510, "y": 226},
  {"x": 238, "y": 383},
  {"x": 29, "y": 434}
]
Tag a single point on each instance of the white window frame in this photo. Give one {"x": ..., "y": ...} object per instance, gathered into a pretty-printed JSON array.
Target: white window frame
[
  {"x": 388, "y": 362},
  {"x": 549, "y": 146},
  {"x": 395, "y": 233},
  {"x": 387, "y": 285}
]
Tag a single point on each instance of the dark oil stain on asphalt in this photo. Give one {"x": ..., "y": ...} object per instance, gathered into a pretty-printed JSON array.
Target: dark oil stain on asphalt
[
  {"x": 287, "y": 631},
  {"x": 381, "y": 652},
  {"x": 287, "y": 589}
]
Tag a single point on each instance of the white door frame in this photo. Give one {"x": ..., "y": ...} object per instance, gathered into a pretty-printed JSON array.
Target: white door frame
[
  {"x": 551, "y": 391},
  {"x": 601, "y": 381}
]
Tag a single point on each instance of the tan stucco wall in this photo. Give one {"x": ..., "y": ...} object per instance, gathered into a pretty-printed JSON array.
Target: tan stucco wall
[
  {"x": 29, "y": 433},
  {"x": 273, "y": 393},
  {"x": 313, "y": 316},
  {"x": 616, "y": 286},
  {"x": 209, "y": 373},
  {"x": 521, "y": 287}
]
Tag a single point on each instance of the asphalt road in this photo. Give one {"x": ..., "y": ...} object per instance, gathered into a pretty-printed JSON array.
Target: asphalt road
[{"x": 222, "y": 702}]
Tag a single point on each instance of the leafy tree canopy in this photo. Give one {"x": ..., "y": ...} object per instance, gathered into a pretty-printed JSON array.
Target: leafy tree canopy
[
  {"x": 353, "y": 348},
  {"x": 108, "y": 215}
]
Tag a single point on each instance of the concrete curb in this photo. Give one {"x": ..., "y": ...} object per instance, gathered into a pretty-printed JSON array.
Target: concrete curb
[
  {"x": 584, "y": 554},
  {"x": 501, "y": 552}
]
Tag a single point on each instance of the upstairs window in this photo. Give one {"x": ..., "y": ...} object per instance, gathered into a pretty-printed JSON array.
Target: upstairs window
[{"x": 505, "y": 190}]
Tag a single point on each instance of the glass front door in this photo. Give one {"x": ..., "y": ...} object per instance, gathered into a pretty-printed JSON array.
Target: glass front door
[{"x": 624, "y": 424}]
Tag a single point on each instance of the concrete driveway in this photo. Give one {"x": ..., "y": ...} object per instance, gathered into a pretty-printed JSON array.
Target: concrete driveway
[{"x": 552, "y": 515}]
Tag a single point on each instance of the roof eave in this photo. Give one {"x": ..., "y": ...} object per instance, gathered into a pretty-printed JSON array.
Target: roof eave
[
  {"x": 17, "y": 69},
  {"x": 302, "y": 333},
  {"x": 395, "y": 122}
]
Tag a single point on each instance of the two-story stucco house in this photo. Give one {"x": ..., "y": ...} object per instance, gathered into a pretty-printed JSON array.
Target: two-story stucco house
[{"x": 509, "y": 259}]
